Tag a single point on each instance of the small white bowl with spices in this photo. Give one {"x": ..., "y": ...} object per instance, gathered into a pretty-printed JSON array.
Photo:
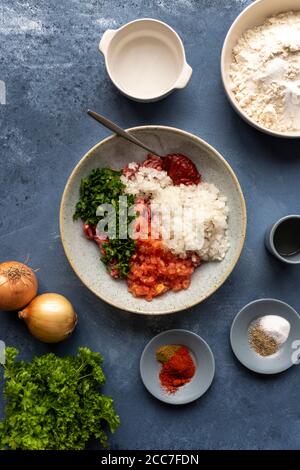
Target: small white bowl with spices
[
  {"x": 265, "y": 336},
  {"x": 145, "y": 59},
  {"x": 260, "y": 66}
]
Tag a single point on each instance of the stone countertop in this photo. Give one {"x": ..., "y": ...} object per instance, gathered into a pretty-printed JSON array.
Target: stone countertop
[{"x": 52, "y": 72}]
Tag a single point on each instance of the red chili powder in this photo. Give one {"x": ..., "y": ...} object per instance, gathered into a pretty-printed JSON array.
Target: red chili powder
[{"x": 177, "y": 371}]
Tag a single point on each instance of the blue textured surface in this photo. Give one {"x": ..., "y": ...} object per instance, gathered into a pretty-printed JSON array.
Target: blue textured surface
[{"x": 53, "y": 73}]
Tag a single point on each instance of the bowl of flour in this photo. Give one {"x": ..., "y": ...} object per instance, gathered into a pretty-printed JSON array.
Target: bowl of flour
[{"x": 260, "y": 66}]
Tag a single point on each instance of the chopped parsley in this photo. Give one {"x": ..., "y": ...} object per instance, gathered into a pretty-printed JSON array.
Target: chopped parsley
[{"x": 104, "y": 186}]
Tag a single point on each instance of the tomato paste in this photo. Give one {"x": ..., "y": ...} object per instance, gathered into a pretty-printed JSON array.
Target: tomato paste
[{"x": 179, "y": 167}]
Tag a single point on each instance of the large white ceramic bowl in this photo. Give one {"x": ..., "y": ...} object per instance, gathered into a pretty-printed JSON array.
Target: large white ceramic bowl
[
  {"x": 253, "y": 15},
  {"x": 115, "y": 152}
]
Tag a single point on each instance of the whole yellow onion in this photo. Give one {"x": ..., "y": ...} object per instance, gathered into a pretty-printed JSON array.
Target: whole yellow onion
[
  {"x": 18, "y": 285},
  {"x": 50, "y": 317}
]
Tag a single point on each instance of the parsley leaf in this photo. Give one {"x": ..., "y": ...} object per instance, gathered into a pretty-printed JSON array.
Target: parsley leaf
[
  {"x": 104, "y": 186},
  {"x": 54, "y": 403}
]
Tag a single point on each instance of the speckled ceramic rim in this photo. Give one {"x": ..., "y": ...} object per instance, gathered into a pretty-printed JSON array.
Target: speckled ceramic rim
[
  {"x": 232, "y": 342},
  {"x": 232, "y": 100},
  {"x": 184, "y": 333},
  {"x": 89, "y": 155}
]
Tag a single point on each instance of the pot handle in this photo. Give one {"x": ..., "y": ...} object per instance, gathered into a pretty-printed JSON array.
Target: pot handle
[
  {"x": 106, "y": 39},
  {"x": 185, "y": 76}
]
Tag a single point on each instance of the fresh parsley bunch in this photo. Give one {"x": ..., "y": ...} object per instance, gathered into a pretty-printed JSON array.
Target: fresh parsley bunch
[{"x": 55, "y": 403}]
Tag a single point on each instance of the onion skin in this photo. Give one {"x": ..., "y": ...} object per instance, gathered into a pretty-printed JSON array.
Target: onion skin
[
  {"x": 18, "y": 285},
  {"x": 50, "y": 317}
]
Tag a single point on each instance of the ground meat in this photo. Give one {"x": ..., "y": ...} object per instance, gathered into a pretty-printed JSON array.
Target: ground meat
[
  {"x": 130, "y": 170},
  {"x": 153, "y": 161}
]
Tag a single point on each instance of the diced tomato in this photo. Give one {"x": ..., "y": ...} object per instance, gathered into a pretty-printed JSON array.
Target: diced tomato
[{"x": 155, "y": 270}]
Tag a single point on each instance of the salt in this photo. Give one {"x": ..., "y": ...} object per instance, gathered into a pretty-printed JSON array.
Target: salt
[{"x": 275, "y": 326}]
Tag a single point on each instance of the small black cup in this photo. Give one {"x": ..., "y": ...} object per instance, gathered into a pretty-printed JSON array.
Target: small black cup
[{"x": 283, "y": 239}]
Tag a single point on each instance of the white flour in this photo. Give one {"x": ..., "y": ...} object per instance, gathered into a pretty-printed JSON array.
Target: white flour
[{"x": 265, "y": 72}]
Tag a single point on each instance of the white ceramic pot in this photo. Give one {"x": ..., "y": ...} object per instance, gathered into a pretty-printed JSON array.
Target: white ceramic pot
[
  {"x": 145, "y": 59},
  {"x": 253, "y": 15}
]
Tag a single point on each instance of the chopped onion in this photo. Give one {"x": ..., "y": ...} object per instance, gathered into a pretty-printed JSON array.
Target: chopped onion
[
  {"x": 18, "y": 285},
  {"x": 50, "y": 317}
]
